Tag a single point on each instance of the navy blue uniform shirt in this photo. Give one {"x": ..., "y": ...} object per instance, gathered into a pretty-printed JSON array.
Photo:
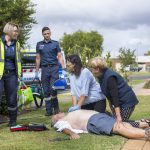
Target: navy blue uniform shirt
[
  {"x": 9, "y": 54},
  {"x": 48, "y": 52}
]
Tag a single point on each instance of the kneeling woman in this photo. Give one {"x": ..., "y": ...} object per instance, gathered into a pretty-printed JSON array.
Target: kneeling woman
[
  {"x": 86, "y": 92},
  {"x": 121, "y": 97}
]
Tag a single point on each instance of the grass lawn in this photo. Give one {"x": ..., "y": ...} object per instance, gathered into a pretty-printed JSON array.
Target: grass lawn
[
  {"x": 135, "y": 82},
  {"x": 139, "y": 73},
  {"x": 40, "y": 140}
]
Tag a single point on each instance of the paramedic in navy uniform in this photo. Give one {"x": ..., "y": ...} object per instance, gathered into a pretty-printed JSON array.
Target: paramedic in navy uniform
[
  {"x": 48, "y": 57},
  {"x": 10, "y": 68}
]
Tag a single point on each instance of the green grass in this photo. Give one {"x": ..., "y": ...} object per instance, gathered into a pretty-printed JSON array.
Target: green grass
[
  {"x": 139, "y": 73},
  {"x": 40, "y": 140},
  {"x": 135, "y": 82},
  {"x": 142, "y": 110}
]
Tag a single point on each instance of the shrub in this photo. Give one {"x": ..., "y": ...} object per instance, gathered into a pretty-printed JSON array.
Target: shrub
[{"x": 147, "y": 85}]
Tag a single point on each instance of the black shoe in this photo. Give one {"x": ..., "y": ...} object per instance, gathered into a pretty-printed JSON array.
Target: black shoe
[
  {"x": 56, "y": 111},
  {"x": 12, "y": 124},
  {"x": 48, "y": 114}
]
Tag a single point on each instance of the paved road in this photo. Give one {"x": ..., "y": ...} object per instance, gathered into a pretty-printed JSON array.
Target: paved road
[{"x": 139, "y": 77}]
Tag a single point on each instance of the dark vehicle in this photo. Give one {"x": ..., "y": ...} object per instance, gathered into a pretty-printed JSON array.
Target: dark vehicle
[{"x": 134, "y": 69}]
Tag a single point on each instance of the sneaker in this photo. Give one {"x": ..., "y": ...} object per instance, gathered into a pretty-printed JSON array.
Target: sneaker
[
  {"x": 48, "y": 114},
  {"x": 56, "y": 111}
]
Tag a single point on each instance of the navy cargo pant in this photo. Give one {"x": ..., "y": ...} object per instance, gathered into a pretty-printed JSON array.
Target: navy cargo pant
[
  {"x": 49, "y": 76},
  {"x": 9, "y": 84}
]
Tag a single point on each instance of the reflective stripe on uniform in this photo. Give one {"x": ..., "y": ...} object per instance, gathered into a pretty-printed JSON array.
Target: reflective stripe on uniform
[
  {"x": 12, "y": 109},
  {"x": 47, "y": 99},
  {"x": 1, "y": 58},
  {"x": 0, "y": 51},
  {"x": 52, "y": 97},
  {"x": 18, "y": 58}
]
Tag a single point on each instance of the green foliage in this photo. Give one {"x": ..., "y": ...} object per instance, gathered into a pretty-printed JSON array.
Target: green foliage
[
  {"x": 20, "y": 12},
  {"x": 148, "y": 53},
  {"x": 85, "y": 44},
  {"x": 127, "y": 57},
  {"x": 108, "y": 60}
]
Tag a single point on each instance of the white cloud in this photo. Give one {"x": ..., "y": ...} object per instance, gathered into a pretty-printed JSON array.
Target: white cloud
[{"x": 122, "y": 23}]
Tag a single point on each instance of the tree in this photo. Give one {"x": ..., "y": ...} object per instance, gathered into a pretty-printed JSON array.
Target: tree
[
  {"x": 127, "y": 57},
  {"x": 148, "y": 53},
  {"x": 20, "y": 12},
  {"x": 85, "y": 44},
  {"x": 108, "y": 60}
]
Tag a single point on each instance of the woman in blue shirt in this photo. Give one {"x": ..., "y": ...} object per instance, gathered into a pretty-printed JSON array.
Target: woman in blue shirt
[{"x": 86, "y": 92}]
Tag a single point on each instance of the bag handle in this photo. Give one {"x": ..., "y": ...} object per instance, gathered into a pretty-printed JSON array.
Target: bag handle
[
  {"x": 22, "y": 83},
  {"x": 37, "y": 79}
]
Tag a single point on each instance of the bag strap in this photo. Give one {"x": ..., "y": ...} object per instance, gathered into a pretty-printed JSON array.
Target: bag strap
[
  {"x": 39, "y": 81},
  {"x": 22, "y": 83}
]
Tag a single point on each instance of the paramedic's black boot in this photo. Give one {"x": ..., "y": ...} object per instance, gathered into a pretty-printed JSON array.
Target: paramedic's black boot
[
  {"x": 49, "y": 107},
  {"x": 13, "y": 118},
  {"x": 12, "y": 124},
  {"x": 56, "y": 110},
  {"x": 48, "y": 114},
  {"x": 56, "y": 106}
]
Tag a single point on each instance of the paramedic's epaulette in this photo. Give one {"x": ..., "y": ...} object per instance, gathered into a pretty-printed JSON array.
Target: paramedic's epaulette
[{"x": 54, "y": 41}]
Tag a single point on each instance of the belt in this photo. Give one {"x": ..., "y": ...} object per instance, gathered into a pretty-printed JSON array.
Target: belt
[
  {"x": 49, "y": 65},
  {"x": 9, "y": 71}
]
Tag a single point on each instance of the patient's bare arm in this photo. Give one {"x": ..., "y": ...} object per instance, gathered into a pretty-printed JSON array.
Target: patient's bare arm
[{"x": 72, "y": 134}]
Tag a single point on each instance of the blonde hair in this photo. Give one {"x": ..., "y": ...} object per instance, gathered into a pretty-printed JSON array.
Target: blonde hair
[
  {"x": 98, "y": 62},
  {"x": 9, "y": 28}
]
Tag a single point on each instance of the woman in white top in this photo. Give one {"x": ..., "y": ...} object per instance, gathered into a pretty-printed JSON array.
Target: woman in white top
[{"x": 86, "y": 92}]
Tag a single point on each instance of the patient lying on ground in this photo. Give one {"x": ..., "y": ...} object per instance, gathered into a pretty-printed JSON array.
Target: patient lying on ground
[{"x": 84, "y": 121}]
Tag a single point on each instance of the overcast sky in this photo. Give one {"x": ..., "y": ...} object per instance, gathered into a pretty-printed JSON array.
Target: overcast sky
[{"x": 122, "y": 23}]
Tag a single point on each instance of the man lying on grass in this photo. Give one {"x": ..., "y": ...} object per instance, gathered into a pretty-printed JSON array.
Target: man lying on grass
[{"x": 82, "y": 121}]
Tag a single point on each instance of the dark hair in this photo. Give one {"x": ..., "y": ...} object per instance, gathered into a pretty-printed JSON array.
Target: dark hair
[
  {"x": 75, "y": 59},
  {"x": 45, "y": 28}
]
